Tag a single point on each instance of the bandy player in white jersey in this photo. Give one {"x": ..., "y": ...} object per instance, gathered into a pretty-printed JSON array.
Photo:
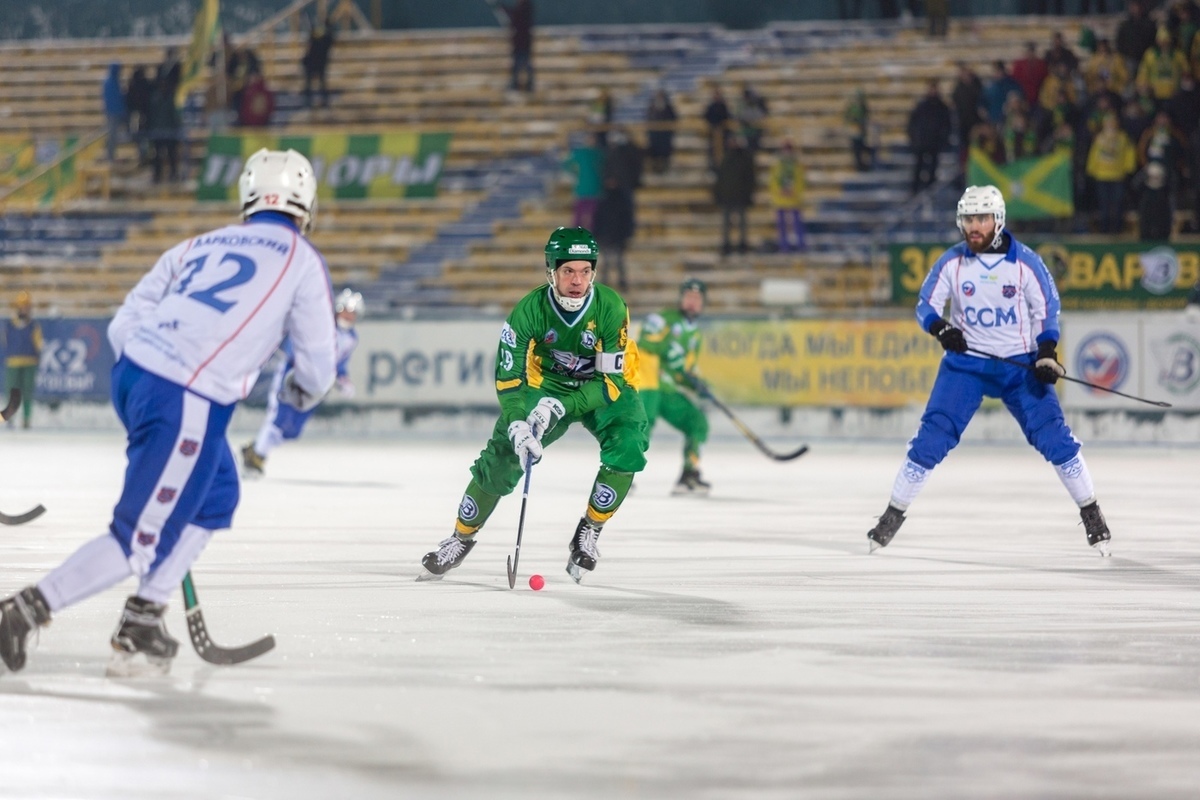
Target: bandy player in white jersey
[
  {"x": 190, "y": 339},
  {"x": 1003, "y": 303}
]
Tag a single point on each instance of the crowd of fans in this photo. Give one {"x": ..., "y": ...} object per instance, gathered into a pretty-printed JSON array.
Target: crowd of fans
[{"x": 1127, "y": 109}]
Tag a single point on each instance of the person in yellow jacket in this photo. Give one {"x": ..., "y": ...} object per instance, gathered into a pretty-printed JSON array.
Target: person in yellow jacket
[
  {"x": 786, "y": 189},
  {"x": 22, "y": 351},
  {"x": 1162, "y": 67},
  {"x": 1105, "y": 71},
  {"x": 1111, "y": 160}
]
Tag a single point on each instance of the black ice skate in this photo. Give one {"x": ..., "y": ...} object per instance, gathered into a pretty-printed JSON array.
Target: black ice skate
[
  {"x": 253, "y": 465},
  {"x": 23, "y": 612},
  {"x": 142, "y": 629},
  {"x": 882, "y": 533},
  {"x": 584, "y": 552},
  {"x": 450, "y": 554},
  {"x": 691, "y": 483},
  {"x": 1097, "y": 529}
]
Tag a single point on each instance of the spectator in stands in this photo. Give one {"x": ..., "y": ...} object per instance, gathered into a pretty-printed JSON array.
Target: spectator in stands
[
  {"x": 928, "y": 135},
  {"x": 600, "y": 116},
  {"x": 520, "y": 29},
  {"x": 137, "y": 101},
  {"x": 717, "y": 115},
  {"x": 116, "y": 112},
  {"x": 786, "y": 188},
  {"x": 22, "y": 352},
  {"x": 1020, "y": 137},
  {"x": 1184, "y": 109},
  {"x": 164, "y": 128},
  {"x": 939, "y": 17},
  {"x": 1057, "y": 85},
  {"x": 1137, "y": 115},
  {"x": 1155, "y": 213},
  {"x": 1059, "y": 53},
  {"x": 616, "y": 214},
  {"x": 1162, "y": 67},
  {"x": 241, "y": 63},
  {"x": 170, "y": 72},
  {"x": 1111, "y": 160},
  {"x": 751, "y": 115},
  {"x": 733, "y": 191},
  {"x": 1135, "y": 35},
  {"x": 258, "y": 103},
  {"x": 586, "y": 162},
  {"x": 857, "y": 117},
  {"x": 985, "y": 137},
  {"x": 1181, "y": 22},
  {"x": 1163, "y": 143},
  {"x": 967, "y": 98},
  {"x": 660, "y": 127},
  {"x": 997, "y": 91},
  {"x": 1105, "y": 71},
  {"x": 1029, "y": 71},
  {"x": 1194, "y": 183},
  {"x": 316, "y": 62}
]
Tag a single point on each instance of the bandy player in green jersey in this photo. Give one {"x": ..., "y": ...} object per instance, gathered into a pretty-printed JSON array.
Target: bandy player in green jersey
[
  {"x": 669, "y": 347},
  {"x": 564, "y": 357}
]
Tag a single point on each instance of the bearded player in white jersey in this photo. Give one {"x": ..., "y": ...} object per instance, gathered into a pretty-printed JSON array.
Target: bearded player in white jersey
[
  {"x": 1003, "y": 303},
  {"x": 190, "y": 339}
]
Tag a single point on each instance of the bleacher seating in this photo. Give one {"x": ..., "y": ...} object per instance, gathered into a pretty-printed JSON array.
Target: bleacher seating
[{"x": 479, "y": 242}]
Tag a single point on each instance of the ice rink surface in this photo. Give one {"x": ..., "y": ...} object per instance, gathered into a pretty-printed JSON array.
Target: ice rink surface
[{"x": 744, "y": 645}]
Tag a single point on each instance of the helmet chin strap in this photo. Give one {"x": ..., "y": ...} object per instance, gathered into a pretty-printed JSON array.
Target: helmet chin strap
[{"x": 569, "y": 303}]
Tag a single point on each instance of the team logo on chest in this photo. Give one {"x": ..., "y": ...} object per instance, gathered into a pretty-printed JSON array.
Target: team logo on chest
[
  {"x": 588, "y": 339},
  {"x": 1009, "y": 291},
  {"x": 551, "y": 336},
  {"x": 968, "y": 289}
]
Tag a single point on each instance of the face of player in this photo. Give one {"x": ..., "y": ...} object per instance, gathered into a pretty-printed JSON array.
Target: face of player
[
  {"x": 574, "y": 278},
  {"x": 691, "y": 303},
  {"x": 978, "y": 230}
]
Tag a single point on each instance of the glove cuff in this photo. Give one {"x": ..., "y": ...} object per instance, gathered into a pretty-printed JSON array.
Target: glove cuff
[
  {"x": 937, "y": 326},
  {"x": 1047, "y": 349}
]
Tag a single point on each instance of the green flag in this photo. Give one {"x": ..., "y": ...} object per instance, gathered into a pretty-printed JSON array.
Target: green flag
[
  {"x": 1033, "y": 188},
  {"x": 204, "y": 31}
]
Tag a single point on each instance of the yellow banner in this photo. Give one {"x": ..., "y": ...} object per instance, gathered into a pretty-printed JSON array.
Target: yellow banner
[{"x": 868, "y": 363}]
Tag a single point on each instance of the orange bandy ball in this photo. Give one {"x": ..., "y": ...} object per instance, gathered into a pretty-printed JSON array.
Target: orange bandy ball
[{"x": 536, "y": 582}]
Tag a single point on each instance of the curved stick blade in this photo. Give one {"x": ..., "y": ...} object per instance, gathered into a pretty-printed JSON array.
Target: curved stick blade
[
  {"x": 14, "y": 402},
  {"x": 512, "y": 574}
]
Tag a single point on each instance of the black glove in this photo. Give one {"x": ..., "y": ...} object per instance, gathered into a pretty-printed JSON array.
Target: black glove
[
  {"x": 696, "y": 384},
  {"x": 1046, "y": 368},
  {"x": 951, "y": 338}
]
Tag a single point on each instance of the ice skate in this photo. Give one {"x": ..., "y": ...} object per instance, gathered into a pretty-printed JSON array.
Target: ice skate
[
  {"x": 882, "y": 533},
  {"x": 450, "y": 554},
  {"x": 691, "y": 483},
  {"x": 253, "y": 465},
  {"x": 584, "y": 552},
  {"x": 1096, "y": 528},
  {"x": 25, "y": 611},
  {"x": 142, "y": 630}
]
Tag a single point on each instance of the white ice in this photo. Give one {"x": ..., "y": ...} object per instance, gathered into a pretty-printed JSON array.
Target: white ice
[{"x": 743, "y": 645}]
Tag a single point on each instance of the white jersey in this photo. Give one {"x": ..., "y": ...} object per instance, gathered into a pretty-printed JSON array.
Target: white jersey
[
  {"x": 214, "y": 308},
  {"x": 1004, "y": 303}
]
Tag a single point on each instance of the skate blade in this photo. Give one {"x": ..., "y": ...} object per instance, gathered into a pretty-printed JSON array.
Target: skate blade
[
  {"x": 128, "y": 665},
  {"x": 251, "y": 475},
  {"x": 873, "y": 546},
  {"x": 576, "y": 572},
  {"x": 429, "y": 576},
  {"x": 1103, "y": 549}
]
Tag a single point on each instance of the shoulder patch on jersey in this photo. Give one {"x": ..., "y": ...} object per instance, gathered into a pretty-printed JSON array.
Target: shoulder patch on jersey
[{"x": 508, "y": 336}]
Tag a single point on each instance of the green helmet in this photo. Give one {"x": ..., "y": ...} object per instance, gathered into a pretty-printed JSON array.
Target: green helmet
[
  {"x": 569, "y": 244},
  {"x": 693, "y": 284}
]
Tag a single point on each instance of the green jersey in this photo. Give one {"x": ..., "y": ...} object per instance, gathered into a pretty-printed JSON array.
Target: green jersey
[
  {"x": 673, "y": 340},
  {"x": 577, "y": 357}
]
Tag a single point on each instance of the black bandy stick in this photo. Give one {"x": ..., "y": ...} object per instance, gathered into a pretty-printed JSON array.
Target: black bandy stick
[
  {"x": 515, "y": 557},
  {"x": 1031, "y": 367},
  {"x": 206, "y": 648},
  {"x": 749, "y": 434}
]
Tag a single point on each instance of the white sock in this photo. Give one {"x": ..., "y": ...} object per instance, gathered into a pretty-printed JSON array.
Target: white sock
[
  {"x": 1078, "y": 479},
  {"x": 159, "y": 585},
  {"x": 910, "y": 480},
  {"x": 269, "y": 437},
  {"x": 98, "y": 565}
]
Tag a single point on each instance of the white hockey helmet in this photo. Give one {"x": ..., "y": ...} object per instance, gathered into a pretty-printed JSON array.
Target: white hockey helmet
[
  {"x": 982, "y": 200},
  {"x": 275, "y": 180}
]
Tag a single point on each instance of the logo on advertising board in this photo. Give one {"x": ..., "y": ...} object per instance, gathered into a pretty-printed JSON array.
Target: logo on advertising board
[
  {"x": 1160, "y": 268},
  {"x": 1103, "y": 360},
  {"x": 1179, "y": 360}
]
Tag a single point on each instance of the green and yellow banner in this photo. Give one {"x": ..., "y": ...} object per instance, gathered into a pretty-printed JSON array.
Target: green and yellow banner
[
  {"x": 872, "y": 363},
  {"x": 349, "y": 166},
  {"x": 204, "y": 33},
  {"x": 1033, "y": 188},
  {"x": 1117, "y": 275},
  {"x": 22, "y": 156}
]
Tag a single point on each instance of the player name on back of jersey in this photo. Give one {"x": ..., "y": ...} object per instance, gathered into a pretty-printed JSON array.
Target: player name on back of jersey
[{"x": 241, "y": 240}]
